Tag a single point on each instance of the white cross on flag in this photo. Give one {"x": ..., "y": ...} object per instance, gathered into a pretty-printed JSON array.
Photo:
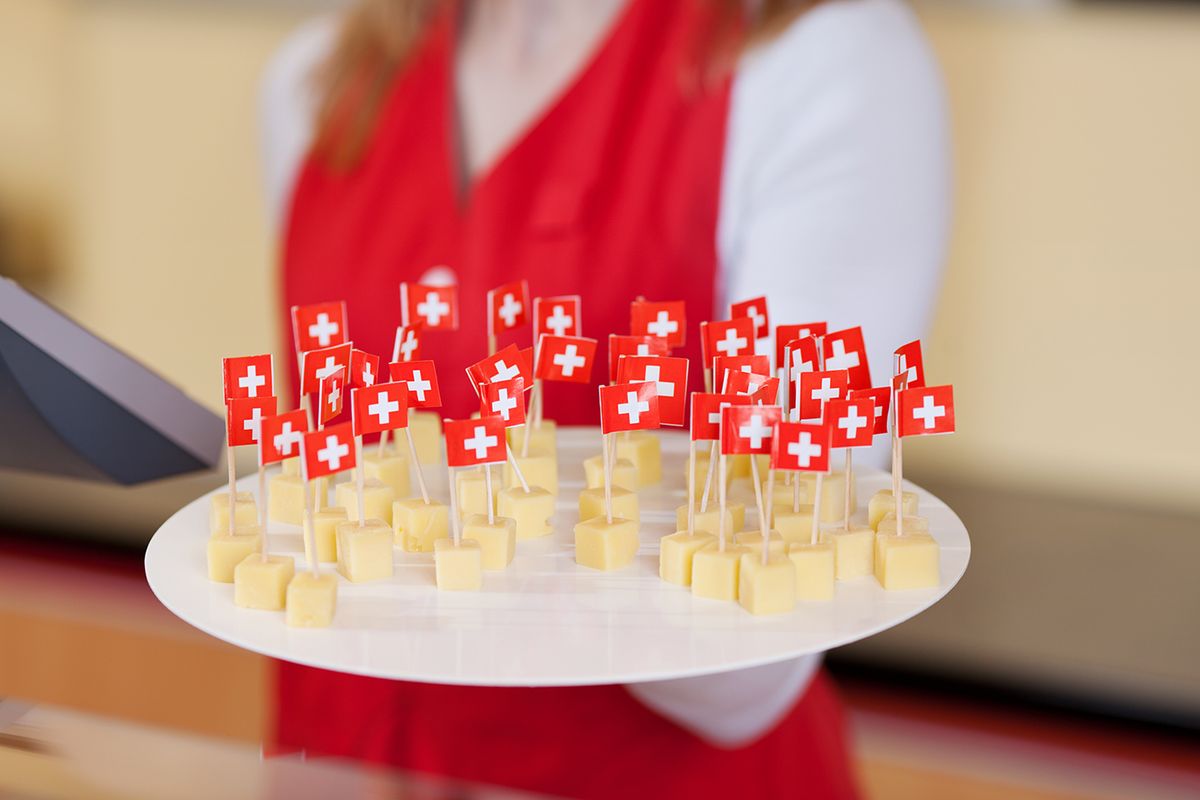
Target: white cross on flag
[
  {"x": 505, "y": 399},
  {"x": 327, "y": 451},
  {"x": 818, "y": 388},
  {"x": 851, "y": 422},
  {"x": 315, "y": 365},
  {"x": 433, "y": 308},
  {"x": 281, "y": 435},
  {"x": 378, "y": 408},
  {"x": 319, "y": 325},
  {"x": 760, "y": 389},
  {"x": 470, "y": 442},
  {"x": 748, "y": 429},
  {"x": 664, "y": 320},
  {"x": 754, "y": 309},
  {"x": 503, "y": 365},
  {"x": 508, "y": 306},
  {"x": 566, "y": 358},
  {"x": 420, "y": 380},
  {"x": 407, "y": 344},
  {"x": 364, "y": 368},
  {"x": 726, "y": 365},
  {"x": 248, "y": 376},
  {"x": 926, "y": 410},
  {"x": 557, "y": 316},
  {"x": 706, "y": 413},
  {"x": 732, "y": 337},
  {"x": 801, "y": 447},
  {"x": 910, "y": 364},
  {"x": 845, "y": 350},
  {"x": 331, "y": 397},
  {"x": 243, "y": 419},
  {"x": 784, "y": 334},
  {"x": 619, "y": 345},
  {"x": 669, "y": 374},
  {"x": 881, "y": 399},
  {"x": 628, "y": 407}
]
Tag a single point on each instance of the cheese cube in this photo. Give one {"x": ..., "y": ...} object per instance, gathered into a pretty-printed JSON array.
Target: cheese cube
[
  {"x": 768, "y": 588},
  {"x": 290, "y": 466},
  {"x": 912, "y": 524},
  {"x": 815, "y": 570},
  {"x": 245, "y": 513},
  {"x": 426, "y": 429},
  {"x": 624, "y": 504},
  {"x": 853, "y": 551},
  {"x": 417, "y": 525},
  {"x": 600, "y": 544},
  {"x": 644, "y": 450},
  {"x": 542, "y": 440},
  {"x": 675, "y": 553},
  {"x": 226, "y": 551},
  {"x": 793, "y": 526},
  {"x": 907, "y": 562},
  {"x": 311, "y": 600},
  {"x": 715, "y": 572},
  {"x": 325, "y": 524},
  {"x": 539, "y": 470},
  {"x": 497, "y": 539},
  {"x": 472, "y": 492},
  {"x": 262, "y": 584},
  {"x": 833, "y": 497},
  {"x": 364, "y": 551},
  {"x": 753, "y": 540},
  {"x": 458, "y": 568},
  {"x": 285, "y": 502},
  {"x": 702, "y": 473},
  {"x": 624, "y": 474},
  {"x": 532, "y": 510},
  {"x": 884, "y": 501},
  {"x": 391, "y": 470},
  {"x": 377, "y": 499},
  {"x": 709, "y": 521},
  {"x": 737, "y": 466}
]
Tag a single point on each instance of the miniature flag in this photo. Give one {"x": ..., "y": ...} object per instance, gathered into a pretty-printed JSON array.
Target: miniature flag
[
  {"x": 628, "y": 407},
  {"x": 619, "y": 345},
  {"x": 434, "y": 308},
  {"x": 327, "y": 451},
  {"x": 881, "y": 398},
  {"x": 664, "y": 320},
  {"x": 332, "y": 396},
  {"x": 318, "y": 326},
  {"x": 818, "y": 388},
  {"x": 503, "y": 365},
  {"x": 407, "y": 344},
  {"x": 706, "y": 414},
  {"x": 801, "y": 447},
  {"x": 244, "y": 417},
  {"x": 505, "y": 400},
  {"x": 669, "y": 375},
  {"x": 508, "y": 306},
  {"x": 748, "y": 429},
  {"x": 784, "y": 334},
  {"x": 733, "y": 337},
  {"x": 470, "y": 442},
  {"x": 378, "y": 408},
  {"x": 316, "y": 365},
  {"x": 910, "y": 364},
  {"x": 420, "y": 379},
  {"x": 566, "y": 358},
  {"x": 754, "y": 309},
  {"x": 845, "y": 350},
  {"x": 364, "y": 368},
  {"x": 851, "y": 422},
  {"x": 760, "y": 389},
  {"x": 248, "y": 376},
  {"x": 557, "y": 316},
  {"x": 926, "y": 410},
  {"x": 759, "y": 365},
  {"x": 804, "y": 355},
  {"x": 525, "y": 365},
  {"x": 281, "y": 435}
]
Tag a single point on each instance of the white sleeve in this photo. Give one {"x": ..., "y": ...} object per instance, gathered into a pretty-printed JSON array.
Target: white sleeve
[{"x": 835, "y": 205}]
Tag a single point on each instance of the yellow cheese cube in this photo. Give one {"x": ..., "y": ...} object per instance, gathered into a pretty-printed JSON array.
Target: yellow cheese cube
[
  {"x": 225, "y": 552},
  {"x": 644, "y": 450},
  {"x": 793, "y": 526},
  {"x": 426, "y": 429},
  {"x": 458, "y": 568},
  {"x": 377, "y": 499},
  {"x": 884, "y": 501},
  {"x": 784, "y": 492},
  {"x": 497, "y": 539},
  {"x": 675, "y": 555},
  {"x": 710, "y": 521},
  {"x": 245, "y": 514},
  {"x": 815, "y": 570},
  {"x": 715, "y": 572},
  {"x": 624, "y": 474},
  {"x": 391, "y": 470},
  {"x": 311, "y": 600},
  {"x": 912, "y": 524},
  {"x": 532, "y": 510},
  {"x": 418, "y": 525},
  {"x": 853, "y": 551},
  {"x": 290, "y": 466},
  {"x": 907, "y": 562},
  {"x": 768, "y": 588},
  {"x": 364, "y": 551},
  {"x": 472, "y": 491},
  {"x": 624, "y": 504},
  {"x": 325, "y": 524},
  {"x": 539, "y": 470},
  {"x": 601, "y": 544},
  {"x": 285, "y": 501},
  {"x": 702, "y": 474},
  {"x": 262, "y": 584},
  {"x": 737, "y": 466},
  {"x": 753, "y": 541},
  {"x": 833, "y": 497},
  {"x": 542, "y": 440}
]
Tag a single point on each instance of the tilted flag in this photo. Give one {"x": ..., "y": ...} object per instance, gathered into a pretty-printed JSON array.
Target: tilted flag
[
  {"x": 881, "y": 399},
  {"x": 316, "y": 365},
  {"x": 557, "y": 316},
  {"x": 817, "y": 388},
  {"x": 327, "y": 451},
  {"x": 628, "y": 407},
  {"x": 504, "y": 399},
  {"x": 619, "y": 345},
  {"x": 364, "y": 368},
  {"x": 248, "y": 376},
  {"x": 787, "y": 333},
  {"x": 851, "y": 422},
  {"x": 319, "y": 325},
  {"x": 706, "y": 414},
  {"x": 420, "y": 380},
  {"x": 733, "y": 337},
  {"x": 508, "y": 306},
  {"x": 754, "y": 309},
  {"x": 281, "y": 435},
  {"x": 566, "y": 358},
  {"x": 845, "y": 350},
  {"x": 379, "y": 408},
  {"x": 407, "y": 344},
  {"x": 669, "y": 374},
  {"x": 332, "y": 396},
  {"x": 503, "y": 365},
  {"x": 434, "y": 308},
  {"x": 748, "y": 429},
  {"x": 244, "y": 417},
  {"x": 804, "y": 355},
  {"x": 926, "y": 410},
  {"x": 666, "y": 320},
  {"x": 760, "y": 389},
  {"x": 801, "y": 447},
  {"x": 722, "y": 365},
  {"x": 910, "y": 363},
  {"x": 470, "y": 442}
]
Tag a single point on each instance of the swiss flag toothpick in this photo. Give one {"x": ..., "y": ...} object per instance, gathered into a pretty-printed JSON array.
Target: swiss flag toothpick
[
  {"x": 706, "y": 413},
  {"x": 244, "y": 417},
  {"x": 332, "y": 396},
  {"x": 566, "y": 358},
  {"x": 470, "y": 442},
  {"x": 665, "y": 320},
  {"x": 748, "y": 429},
  {"x": 248, "y": 376},
  {"x": 508, "y": 306},
  {"x": 787, "y": 333},
  {"x": 760, "y": 389},
  {"x": 817, "y": 388},
  {"x": 910, "y": 363},
  {"x": 804, "y": 355},
  {"x": 557, "y": 316},
  {"x": 845, "y": 350},
  {"x": 669, "y": 375},
  {"x": 759, "y": 365},
  {"x": 504, "y": 399},
  {"x": 421, "y": 381},
  {"x": 881, "y": 399},
  {"x": 327, "y": 451},
  {"x": 754, "y": 309},
  {"x": 379, "y": 408},
  {"x": 503, "y": 365},
  {"x": 628, "y": 407},
  {"x": 407, "y": 344},
  {"x": 926, "y": 410},
  {"x": 281, "y": 435},
  {"x": 433, "y": 308},
  {"x": 317, "y": 365},
  {"x": 851, "y": 422},
  {"x": 619, "y": 345},
  {"x": 733, "y": 337},
  {"x": 364, "y": 368},
  {"x": 318, "y": 326},
  {"x": 801, "y": 447}
]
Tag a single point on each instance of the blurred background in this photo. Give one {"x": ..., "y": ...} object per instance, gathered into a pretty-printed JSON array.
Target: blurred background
[{"x": 1067, "y": 662}]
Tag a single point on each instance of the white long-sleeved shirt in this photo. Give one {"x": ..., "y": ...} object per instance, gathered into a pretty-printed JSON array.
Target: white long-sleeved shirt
[{"x": 834, "y": 203}]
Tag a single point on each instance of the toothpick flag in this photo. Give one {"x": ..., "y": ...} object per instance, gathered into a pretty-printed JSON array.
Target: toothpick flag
[
  {"x": 881, "y": 399},
  {"x": 787, "y": 333},
  {"x": 632, "y": 346},
  {"x": 760, "y": 365},
  {"x": 801, "y": 447},
  {"x": 851, "y": 422},
  {"x": 628, "y": 407},
  {"x": 761, "y": 389},
  {"x": 505, "y": 400},
  {"x": 319, "y": 325},
  {"x": 364, "y": 368},
  {"x": 911, "y": 364},
  {"x": 803, "y": 355},
  {"x": 755, "y": 310},
  {"x": 557, "y": 316},
  {"x": 244, "y": 417},
  {"x": 281, "y": 435},
  {"x": 817, "y": 388},
  {"x": 420, "y": 380},
  {"x": 471, "y": 442},
  {"x": 748, "y": 429},
  {"x": 331, "y": 396},
  {"x": 379, "y": 408},
  {"x": 504, "y": 365},
  {"x": 706, "y": 414},
  {"x": 845, "y": 350},
  {"x": 926, "y": 410},
  {"x": 248, "y": 376},
  {"x": 566, "y": 358},
  {"x": 733, "y": 337},
  {"x": 327, "y": 451},
  {"x": 316, "y": 365},
  {"x": 434, "y": 308},
  {"x": 669, "y": 375},
  {"x": 508, "y": 307},
  {"x": 407, "y": 344},
  {"x": 665, "y": 320}
]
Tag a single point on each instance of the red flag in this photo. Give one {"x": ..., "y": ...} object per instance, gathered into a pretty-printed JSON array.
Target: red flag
[
  {"x": 669, "y": 375},
  {"x": 407, "y": 344},
  {"x": 421, "y": 381},
  {"x": 378, "y": 408},
  {"x": 760, "y": 389},
  {"x": 754, "y": 309},
  {"x": 926, "y": 410},
  {"x": 910, "y": 364},
  {"x": 665, "y": 320},
  {"x": 748, "y": 429},
  {"x": 566, "y": 358},
  {"x": 525, "y": 365},
  {"x": 243, "y": 419},
  {"x": 319, "y": 325},
  {"x": 318, "y": 364},
  {"x": 504, "y": 399},
  {"x": 759, "y": 365},
  {"x": 817, "y": 388},
  {"x": 851, "y": 422},
  {"x": 503, "y": 365},
  {"x": 733, "y": 337},
  {"x": 845, "y": 350},
  {"x": 786, "y": 333},
  {"x": 508, "y": 306},
  {"x": 801, "y": 446},
  {"x": 248, "y": 376},
  {"x": 470, "y": 442},
  {"x": 434, "y": 308},
  {"x": 557, "y": 316},
  {"x": 281, "y": 435},
  {"x": 706, "y": 413},
  {"x": 332, "y": 396},
  {"x": 881, "y": 398},
  {"x": 804, "y": 356},
  {"x": 628, "y": 407},
  {"x": 364, "y": 368},
  {"x": 327, "y": 451},
  {"x": 632, "y": 346}
]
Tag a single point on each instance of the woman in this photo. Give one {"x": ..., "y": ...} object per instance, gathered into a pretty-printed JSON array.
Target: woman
[{"x": 677, "y": 149}]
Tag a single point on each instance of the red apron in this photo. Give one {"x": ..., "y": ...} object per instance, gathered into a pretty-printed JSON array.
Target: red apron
[{"x": 611, "y": 194}]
